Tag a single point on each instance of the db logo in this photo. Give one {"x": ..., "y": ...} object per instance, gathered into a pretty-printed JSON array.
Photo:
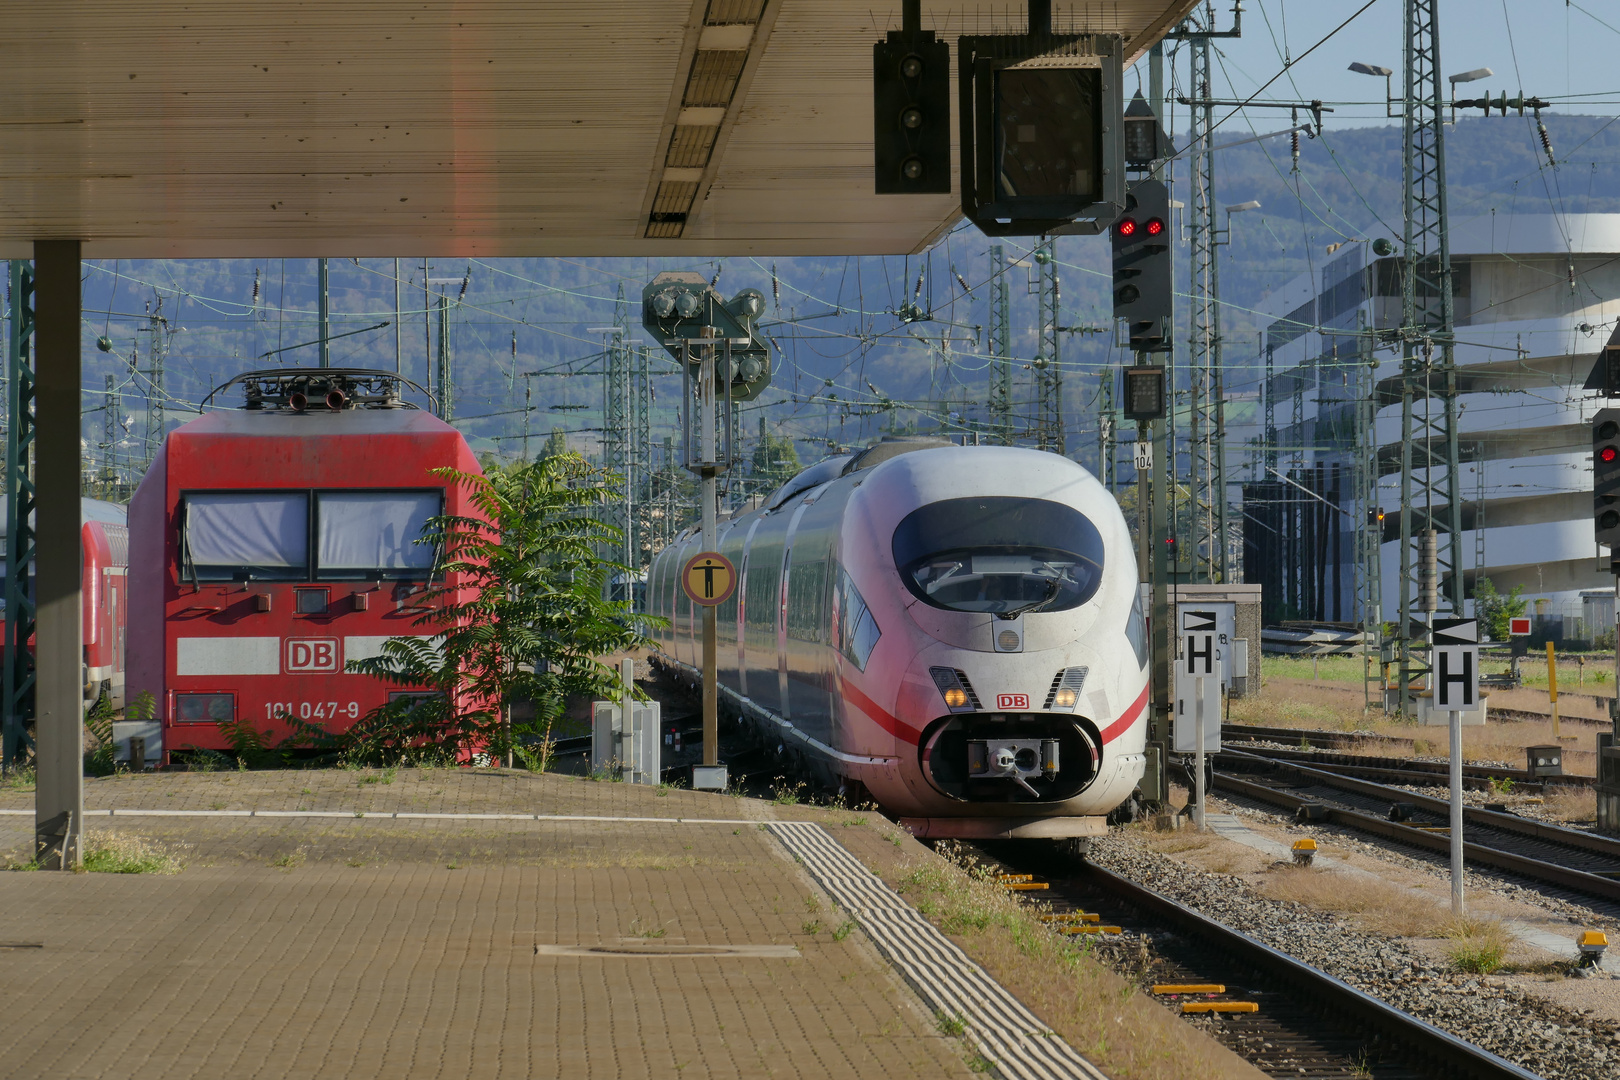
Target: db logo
[
  {"x": 311, "y": 656},
  {"x": 1012, "y": 701}
]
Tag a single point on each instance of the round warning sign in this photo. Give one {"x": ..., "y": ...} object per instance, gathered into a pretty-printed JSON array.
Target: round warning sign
[{"x": 709, "y": 578}]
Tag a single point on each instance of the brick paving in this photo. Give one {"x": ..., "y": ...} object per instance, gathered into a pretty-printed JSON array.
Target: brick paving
[{"x": 379, "y": 947}]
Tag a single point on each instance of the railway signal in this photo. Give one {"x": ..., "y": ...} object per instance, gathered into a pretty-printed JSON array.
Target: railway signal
[
  {"x": 685, "y": 314},
  {"x": 1040, "y": 118},
  {"x": 911, "y": 110},
  {"x": 1144, "y": 289},
  {"x": 1606, "y": 481}
]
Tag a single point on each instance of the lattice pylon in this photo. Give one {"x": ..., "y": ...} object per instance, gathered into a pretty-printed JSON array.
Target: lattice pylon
[
  {"x": 1429, "y": 484},
  {"x": 1048, "y": 363},
  {"x": 1204, "y": 345},
  {"x": 999, "y": 403}
]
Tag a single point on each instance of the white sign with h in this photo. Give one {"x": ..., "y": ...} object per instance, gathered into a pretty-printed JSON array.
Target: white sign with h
[{"x": 1455, "y": 679}]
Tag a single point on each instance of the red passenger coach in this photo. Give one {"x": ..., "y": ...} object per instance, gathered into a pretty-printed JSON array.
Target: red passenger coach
[
  {"x": 104, "y": 586},
  {"x": 272, "y": 544}
]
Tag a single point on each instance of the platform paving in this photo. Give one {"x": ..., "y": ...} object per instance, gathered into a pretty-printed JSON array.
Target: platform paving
[{"x": 375, "y": 946}]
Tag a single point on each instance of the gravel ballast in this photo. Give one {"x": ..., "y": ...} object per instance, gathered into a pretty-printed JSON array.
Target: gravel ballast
[{"x": 1532, "y": 1032}]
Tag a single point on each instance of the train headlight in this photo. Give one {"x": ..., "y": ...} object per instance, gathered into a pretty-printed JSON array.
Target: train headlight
[
  {"x": 955, "y": 689},
  {"x": 1065, "y": 697}
]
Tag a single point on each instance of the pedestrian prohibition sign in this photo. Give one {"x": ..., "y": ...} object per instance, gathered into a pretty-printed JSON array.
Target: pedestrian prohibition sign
[{"x": 709, "y": 578}]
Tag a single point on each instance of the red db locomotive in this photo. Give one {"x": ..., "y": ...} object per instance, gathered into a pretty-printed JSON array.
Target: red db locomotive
[{"x": 272, "y": 544}]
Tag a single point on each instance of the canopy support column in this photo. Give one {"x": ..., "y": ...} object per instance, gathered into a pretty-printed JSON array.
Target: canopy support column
[{"x": 59, "y": 686}]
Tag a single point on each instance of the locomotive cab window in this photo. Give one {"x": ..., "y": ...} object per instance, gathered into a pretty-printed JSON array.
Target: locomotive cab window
[
  {"x": 271, "y": 535},
  {"x": 999, "y": 555},
  {"x": 367, "y": 535},
  {"x": 246, "y": 536}
]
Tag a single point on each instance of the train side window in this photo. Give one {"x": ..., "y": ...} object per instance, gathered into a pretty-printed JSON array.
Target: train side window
[
  {"x": 311, "y": 601},
  {"x": 1136, "y": 632},
  {"x": 858, "y": 632},
  {"x": 374, "y": 534},
  {"x": 245, "y": 536}
]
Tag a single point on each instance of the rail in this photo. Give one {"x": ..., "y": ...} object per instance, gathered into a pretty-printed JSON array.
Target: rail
[
  {"x": 1309, "y": 1023},
  {"x": 1442, "y": 1051},
  {"x": 1535, "y": 836}
]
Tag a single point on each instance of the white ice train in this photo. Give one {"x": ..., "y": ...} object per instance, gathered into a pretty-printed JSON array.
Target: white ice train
[{"x": 954, "y": 629}]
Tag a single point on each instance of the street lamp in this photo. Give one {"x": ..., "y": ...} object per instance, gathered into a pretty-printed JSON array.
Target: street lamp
[
  {"x": 1374, "y": 69},
  {"x": 1468, "y": 76},
  {"x": 1252, "y": 204}
]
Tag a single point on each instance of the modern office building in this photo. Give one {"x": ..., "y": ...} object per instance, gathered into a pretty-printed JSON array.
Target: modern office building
[{"x": 1536, "y": 298}]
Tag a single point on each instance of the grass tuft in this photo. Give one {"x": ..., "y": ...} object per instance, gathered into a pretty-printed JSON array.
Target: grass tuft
[
  {"x": 18, "y": 779},
  {"x": 1478, "y": 946},
  {"x": 121, "y": 853}
]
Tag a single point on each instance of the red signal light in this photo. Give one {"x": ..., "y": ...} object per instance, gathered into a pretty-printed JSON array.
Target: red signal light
[
  {"x": 1127, "y": 226},
  {"x": 1608, "y": 454},
  {"x": 1154, "y": 226}
]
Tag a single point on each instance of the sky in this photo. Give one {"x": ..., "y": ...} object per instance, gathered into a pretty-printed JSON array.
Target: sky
[{"x": 1559, "y": 50}]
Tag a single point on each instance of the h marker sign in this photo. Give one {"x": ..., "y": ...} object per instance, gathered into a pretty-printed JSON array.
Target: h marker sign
[{"x": 1456, "y": 664}]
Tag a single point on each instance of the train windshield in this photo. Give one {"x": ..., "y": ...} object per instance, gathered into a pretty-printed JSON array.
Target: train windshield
[
  {"x": 999, "y": 555},
  {"x": 373, "y": 534},
  {"x": 247, "y": 536}
]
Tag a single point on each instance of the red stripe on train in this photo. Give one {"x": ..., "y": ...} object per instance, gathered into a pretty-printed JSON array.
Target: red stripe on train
[
  {"x": 1126, "y": 719},
  {"x": 879, "y": 715}
]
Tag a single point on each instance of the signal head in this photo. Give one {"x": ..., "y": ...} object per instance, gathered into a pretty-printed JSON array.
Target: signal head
[
  {"x": 1608, "y": 429},
  {"x": 1608, "y": 454},
  {"x": 1154, "y": 226},
  {"x": 1126, "y": 227}
]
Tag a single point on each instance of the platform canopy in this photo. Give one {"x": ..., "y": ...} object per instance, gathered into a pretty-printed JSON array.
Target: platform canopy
[{"x": 159, "y": 128}]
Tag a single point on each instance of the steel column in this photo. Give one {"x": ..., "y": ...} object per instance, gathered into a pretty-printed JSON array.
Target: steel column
[
  {"x": 59, "y": 690},
  {"x": 323, "y": 288}
]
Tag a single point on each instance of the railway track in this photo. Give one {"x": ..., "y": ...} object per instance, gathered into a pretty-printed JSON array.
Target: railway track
[
  {"x": 1413, "y": 771},
  {"x": 1285, "y": 1017},
  {"x": 1552, "y": 855}
]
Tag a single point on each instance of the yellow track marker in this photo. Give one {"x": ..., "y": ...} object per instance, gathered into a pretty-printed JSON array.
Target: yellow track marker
[
  {"x": 1190, "y": 988},
  {"x": 1089, "y": 930},
  {"x": 1005, "y": 878},
  {"x": 1219, "y": 1006},
  {"x": 1072, "y": 916},
  {"x": 1024, "y": 886}
]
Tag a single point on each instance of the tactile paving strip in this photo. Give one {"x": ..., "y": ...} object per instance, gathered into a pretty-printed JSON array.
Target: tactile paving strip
[{"x": 1008, "y": 1034}]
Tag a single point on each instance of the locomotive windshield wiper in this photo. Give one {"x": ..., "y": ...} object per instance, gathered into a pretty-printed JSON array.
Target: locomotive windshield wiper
[{"x": 1052, "y": 587}]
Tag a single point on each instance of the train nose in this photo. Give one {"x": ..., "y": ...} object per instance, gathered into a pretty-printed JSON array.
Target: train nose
[{"x": 1010, "y": 757}]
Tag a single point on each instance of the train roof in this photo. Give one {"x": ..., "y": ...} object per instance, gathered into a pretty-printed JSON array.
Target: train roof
[
  {"x": 109, "y": 513},
  {"x": 285, "y": 423},
  {"x": 831, "y": 468}
]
